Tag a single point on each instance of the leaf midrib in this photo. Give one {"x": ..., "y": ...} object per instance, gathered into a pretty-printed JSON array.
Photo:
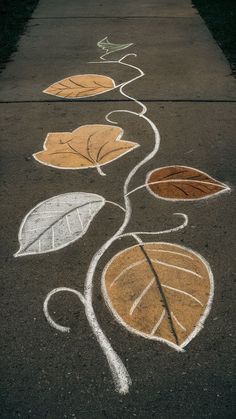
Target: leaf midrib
[
  {"x": 162, "y": 293},
  {"x": 214, "y": 183}
]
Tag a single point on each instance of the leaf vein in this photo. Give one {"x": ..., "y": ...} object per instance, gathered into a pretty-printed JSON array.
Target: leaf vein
[{"x": 54, "y": 223}]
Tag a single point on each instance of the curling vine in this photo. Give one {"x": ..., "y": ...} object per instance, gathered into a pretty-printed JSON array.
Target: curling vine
[{"x": 157, "y": 290}]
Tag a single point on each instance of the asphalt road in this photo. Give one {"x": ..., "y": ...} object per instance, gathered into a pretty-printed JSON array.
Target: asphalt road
[{"x": 191, "y": 97}]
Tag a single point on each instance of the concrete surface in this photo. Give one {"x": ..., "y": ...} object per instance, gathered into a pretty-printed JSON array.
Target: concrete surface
[
  {"x": 187, "y": 65},
  {"x": 49, "y": 375},
  {"x": 120, "y": 9}
]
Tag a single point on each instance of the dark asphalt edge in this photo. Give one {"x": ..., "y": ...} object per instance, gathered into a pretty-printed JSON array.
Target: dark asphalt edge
[{"x": 13, "y": 26}]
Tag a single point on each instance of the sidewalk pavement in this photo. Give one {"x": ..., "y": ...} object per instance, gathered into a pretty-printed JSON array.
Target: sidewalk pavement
[{"x": 191, "y": 96}]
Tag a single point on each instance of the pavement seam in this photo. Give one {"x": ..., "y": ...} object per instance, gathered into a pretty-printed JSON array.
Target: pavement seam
[
  {"x": 114, "y": 17},
  {"x": 122, "y": 100}
]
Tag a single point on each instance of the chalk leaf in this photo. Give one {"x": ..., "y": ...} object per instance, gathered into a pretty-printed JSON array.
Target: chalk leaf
[
  {"x": 161, "y": 291},
  {"x": 181, "y": 183},
  {"x": 109, "y": 47},
  {"x": 83, "y": 85},
  {"x": 87, "y": 147},
  {"x": 57, "y": 222}
]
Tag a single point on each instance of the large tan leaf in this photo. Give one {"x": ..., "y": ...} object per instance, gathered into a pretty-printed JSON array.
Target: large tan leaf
[
  {"x": 161, "y": 291},
  {"x": 87, "y": 146},
  {"x": 183, "y": 183},
  {"x": 84, "y": 85}
]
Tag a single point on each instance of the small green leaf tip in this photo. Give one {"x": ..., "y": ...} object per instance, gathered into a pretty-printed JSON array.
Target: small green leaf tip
[{"x": 107, "y": 46}]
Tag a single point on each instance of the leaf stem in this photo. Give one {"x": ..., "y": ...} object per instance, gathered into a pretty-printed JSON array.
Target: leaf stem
[
  {"x": 141, "y": 74},
  {"x": 141, "y": 187},
  {"x": 116, "y": 205},
  {"x": 100, "y": 171},
  {"x": 119, "y": 373},
  {"x": 124, "y": 84}
]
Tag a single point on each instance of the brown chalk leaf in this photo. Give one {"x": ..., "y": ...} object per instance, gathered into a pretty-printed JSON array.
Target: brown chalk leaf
[
  {"x": 80, "y": 86},
  {"x": 182, "y": 183},
  {"x": 87, "y": 146},
  {"x": 161, "y": 291}
]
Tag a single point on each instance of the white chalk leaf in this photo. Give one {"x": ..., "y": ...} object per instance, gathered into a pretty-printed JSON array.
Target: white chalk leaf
[{"x": 57, "y": 222}]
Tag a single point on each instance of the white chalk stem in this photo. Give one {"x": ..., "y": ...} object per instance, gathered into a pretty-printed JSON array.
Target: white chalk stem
[{"x": 119, "y": 372}]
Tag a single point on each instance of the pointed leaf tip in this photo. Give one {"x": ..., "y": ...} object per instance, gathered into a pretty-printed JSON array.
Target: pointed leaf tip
[
  {"x": 57, "y": 222},
  {"x": 182, "y": 183},
  {"x": 89, "y": 146},
  {"x": 161, "y": 291},
  {"x": 109, "y": 47},
  {"x": 84, "y": 85}
]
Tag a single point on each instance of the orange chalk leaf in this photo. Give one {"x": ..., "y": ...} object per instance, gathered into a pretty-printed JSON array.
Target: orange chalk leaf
[
  {"x": 86, "y": 147},
  {"x": 80, "y": 86},
  {"x": 161, "y": 291}
]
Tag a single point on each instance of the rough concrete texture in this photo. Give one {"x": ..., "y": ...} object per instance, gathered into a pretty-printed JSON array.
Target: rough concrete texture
[
  {"x": 49, "y": 375},
  {"x": 176, "y": 55},
  {"x": 120, "y": 9}
]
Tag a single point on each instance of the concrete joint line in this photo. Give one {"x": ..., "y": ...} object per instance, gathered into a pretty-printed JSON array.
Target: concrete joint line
[
  {"x": 113, "y": 17},
  {"x": 124, "y": 100}
]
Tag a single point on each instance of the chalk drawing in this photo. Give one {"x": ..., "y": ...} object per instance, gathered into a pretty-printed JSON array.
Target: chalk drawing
[
  {"x": 182, "y": 183},
  {"x": 86, "y": 147},
  {"x": 110, "y": 47},
  {"x": 169, "y": 288},
  {"x": 82, "y": 85},
  {"x": 57, "y": 222},
  {"x": 131, "y": 292}
]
